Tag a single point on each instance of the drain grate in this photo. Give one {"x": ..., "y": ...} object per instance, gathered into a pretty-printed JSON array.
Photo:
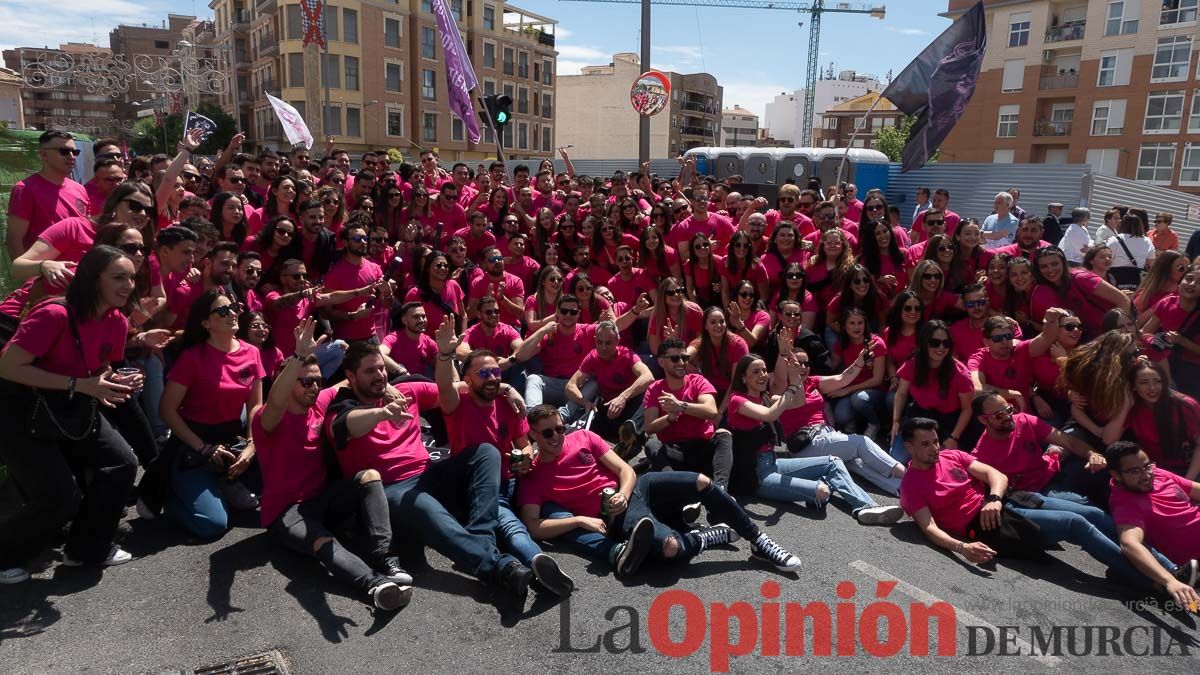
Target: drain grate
[{"x": 270, "y": 662}]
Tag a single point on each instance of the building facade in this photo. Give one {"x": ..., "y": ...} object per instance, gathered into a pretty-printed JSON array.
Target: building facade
[
  {"x": 163, "y": 44},
  {"x": 784, "y": 115},
  {"x": 386, "y": 76},
  {"x": 65, "y": 103},
  {"x": 839, "y": 123},
  {"x": 12, "y": 107},
  {"x": 739, "y": 127},
  {"x": 597, "y": 117},
  {"x": 1123, "y": 69}
]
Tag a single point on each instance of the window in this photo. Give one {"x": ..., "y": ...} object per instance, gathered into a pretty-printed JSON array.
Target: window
[
  {"x": 395, "y": 122},
  {"x": 1176, "y": 12},
  {"x": 1104, "y": 161},
  {"x": 295, "y": 70},
  {"x": 331, "y": 71},
  {"x": 508, "y": 91},
  {"x": 489, "y": 87},
  {"x": 427, "y": 6},
  {"x": 1155, "y": 162},
  {"x": 1114, "y": 68},
  {"x": 299, "y": 106},
  {"x": 1108, "y": 118},
  {"x": 429, "y": 85},
  {"x": 508, "y": 136},
  {"x": 353, "y": 122},
  {"x": 1018, "y": 29},
  {"x": 162, "y": 44},
  {"x": 295, "y": 24},
  {"x": 457, "y": 131},
  {"x": 350, "y": 29},
  {"x": 428, "y": 42},
  {"x": 523, "y": 64},
  {"x": 522, "y": 135},
  {"x": 1122, "y": 17},
  {"x": 547, "y": 106},
  {"x": 489, "y": 55},
  {"x": 1189, "y": 173},
  {"x": 429, "y": 127},
  {"x": 331, "y": 22},
  {"x": 1006, "y": 127},
  {"x": 1171, "y": 58},
  {"x": 1062, "y": 112},
  {"x": 1164, "y": 112},
  {"x": 391, "y": 33},
  {"x": 547, "y": 139},
  {"x": 489, "y": 17},
  {"x": 1194, "y": 114},
  {"x": 456, "y": 9},
  {"x": 351, "y": 72},
  {"x": 831, "y": 123},
  {"x": 1003, "y": 156},
  {"x": 523, "y": 101},
  {"x": 547, "y": 72},
  {"x": 1014, "y": 75},
  {"x": 393, "y": 76},
  {"x": 859, "y": 124},
  {"x": 509, "y": 67},
  {"x": 333, "y": 119}
]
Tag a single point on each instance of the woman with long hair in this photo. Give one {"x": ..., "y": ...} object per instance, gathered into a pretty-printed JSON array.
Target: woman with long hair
[
  {"x": 420, "y": 209},
  {"x": 390, "y": 211},
  {"x": 995, "y": 283},
  {"x": 605, "y": 241},
  {"x": 939, "y": 249},
  {"x": 630, "y": 218},
  {"x": 753, "y": 413},
  {"x": 829, "y": 265},
  {"x": 794, "y": 286},
  {"x": 229, "y": 217},
  {"x": 654, "y": 256},
  {"x": 716, "y": 350},
  {"x": 860, "y": 401},
  {"x": 970, "y": 257},
  {"x": 567, "y": 237},
  {"x": 438, "y": 293},
  {"x": 59, "y": 362},
  {"x": 900, "y": 332},
  {"x": 783, "y": 249},
  {"x": 1162, "y": 280},
  {"x": 281, "y": 200},
  {"x": 1176, "y": 321},
  {"x": 702, "y": 272},
  {"x": 1050, "y": 400},
  {"x": 673, "y": 315},
  {"x": 1018, "y": 293},
  {"x": 928, "y": 282},
  {"x": 215, "y": 381},
  {"x": 128, "y": 238},
  {"x": 882, "y": 255},
  {"x": 496, "y": 207},
  {"x": 591, "y": 305},
  {"x": 545, "y": 231},
  {"x": 858, "y": 290},
  {"x": 1095, "y": 376},
  {"x": 741, "y": 264},
  {"x": 276, "y": 236},
  {"x": 333, "y": 205},
  {"x": 747, "y": 318},
  {"x": 1099, "y": 261},
  {"x": 936, "y": 385},
  {"x": 660, "y": 217},
  {"x": 542, "y": 304},
  {"x": 167, "y": 185},
  {"x": 1061, "y": 286},
  {"x": 1164, "y": 422}
]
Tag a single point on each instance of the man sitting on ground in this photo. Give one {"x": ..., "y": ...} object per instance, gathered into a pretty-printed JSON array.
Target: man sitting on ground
[{"x": 622, "y": 379}]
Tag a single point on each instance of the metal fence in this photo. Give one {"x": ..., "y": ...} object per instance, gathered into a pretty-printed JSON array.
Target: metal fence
[
  {"x": 1103, "y": 192},
  {"x": 973, "y": 187}
]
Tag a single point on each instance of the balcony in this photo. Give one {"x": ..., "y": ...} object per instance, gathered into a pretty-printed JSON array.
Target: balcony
[
  {"x": 696, "y": 131},
  {"x": 1058, "y": 81},
  {"x": 1072, "y": 30},
  {"x": 268, "y": 45},
  {"x": 1051, "y": 128},
  {"x": 240, "y": 22},
  {"x": 265, "y": 7},
  {"x": 700, "y": 106}
]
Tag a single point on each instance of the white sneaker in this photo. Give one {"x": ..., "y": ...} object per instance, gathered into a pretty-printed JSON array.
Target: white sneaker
[
  {"x": 880, "y": 515},
  {"x": 145, "y": 512},
  {"x": 13, "y": 575},
  {"x": 116, "y": 556},
  {"x": 691, "y": 514}
]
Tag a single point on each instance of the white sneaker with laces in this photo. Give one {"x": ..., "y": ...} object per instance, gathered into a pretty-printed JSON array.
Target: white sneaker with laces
[
  {"x": 766, "y": 549},
  {"x": 116, "y": 556},
  {"x": 14, "y": 575}
]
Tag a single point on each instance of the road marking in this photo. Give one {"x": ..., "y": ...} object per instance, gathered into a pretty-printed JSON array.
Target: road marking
[{"x": 964, "y": 617}]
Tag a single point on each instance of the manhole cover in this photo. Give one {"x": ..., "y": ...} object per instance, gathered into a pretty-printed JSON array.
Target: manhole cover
[{"x": 264, "y": 663}]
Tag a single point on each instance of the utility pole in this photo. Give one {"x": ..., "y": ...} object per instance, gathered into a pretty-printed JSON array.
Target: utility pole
[{"x": 644, "y": 120}]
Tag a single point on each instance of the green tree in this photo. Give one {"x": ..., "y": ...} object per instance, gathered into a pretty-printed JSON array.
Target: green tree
[
  {"x": 148, "y": 136},
  {"x": 891, "y": 140}
]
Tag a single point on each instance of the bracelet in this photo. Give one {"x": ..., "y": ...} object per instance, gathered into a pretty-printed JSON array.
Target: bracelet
[
  {"x": 71, "y": 381},
  {"x": 446, "y": 357},
  {"x": 959, "y": 548}
]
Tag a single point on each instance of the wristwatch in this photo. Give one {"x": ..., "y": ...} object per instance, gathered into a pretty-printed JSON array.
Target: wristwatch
[{"x": 992, "y": 498}]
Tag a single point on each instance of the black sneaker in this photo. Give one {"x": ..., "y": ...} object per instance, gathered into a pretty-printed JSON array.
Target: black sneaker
[
  {"x": 1187, "y": 573},
  {"x": 641, "y": 539},
  {"x": 767, "y": 550},
  {"x": 390, "y": 597},
  {"x": 390, "y": 568},
  {"x": 515, "y": 577},
  {"x": 716, "y": 535},
  {"x": 550, "y": 576}
]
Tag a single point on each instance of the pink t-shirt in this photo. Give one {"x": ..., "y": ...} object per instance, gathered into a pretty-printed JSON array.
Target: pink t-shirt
[
  {"x": 71, "y": 237},
  {"x": 811, "y": 413},
  {"x": 652, "y": 267},
  {"x": 573, "y": 480},
  {"x": 1015, "y": 373},
  {"x": 951, "y": 493},
  {"x": 563, "y": 352},
  {"x": 1171, "y": 316},
  {"x": 693, "y": 319},
  {"x": 850, "y": 352},
  {"x": 718, "y": 228},
  {"x": 739, "y": 422},
  {"x": 499, "y": 342},
  {"x": 343, "y": 276},
  {"x": 687, "y": 427},
  {"x": 394, "y": 449},
  {"x": 415, "y": 355},
  {"x": 45, "y": 332},
  {"x": 494, "y": 422},
  {"x": 1145, "y": 430},
  {"x": 43, "y": 203},
  {"x": 1045, "y": 373},
  {"x": 900, "y": 347},
  {"x": 756, "y": 273},
  {"x": 514, "y": 289},
  {"x": 452, "y": 219},
  {"x": 1170, "y": 521},
  {"x": 929, "y": 395},
  {"x": 613, "y": 376},
  {"x": 628, "y": 291},
  {"x": 774, "y": 268},
  {"x": 967, "y": 339},
  {"x": 1022, "y": 456},
  {"x": 476, "y": 245},
  {"x": 803, "y": 223},
  {"x": 1080, "y": 296},
  {"x": 292, "y": 457},
  {"x": 284, "y": 319},
  {"x": 735, "y": 348},
  {"x": 525, "y": 268},
  {"x": 218, "y": 383},
  {"x": 452, "y": 296}
]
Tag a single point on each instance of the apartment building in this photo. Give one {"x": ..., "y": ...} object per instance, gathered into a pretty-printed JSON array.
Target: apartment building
[
  {"x": 1123, "y": 69},
  {"x": 385, "y": 73},
  {"x": 784, "y": 115},
  {"x": 839, "y": 123},
  {"x": 739, "y": 127},
  {"x": 64, "y": 102}
]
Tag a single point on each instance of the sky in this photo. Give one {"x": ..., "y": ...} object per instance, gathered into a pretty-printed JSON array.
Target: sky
[{"x": 754, "y": 54}]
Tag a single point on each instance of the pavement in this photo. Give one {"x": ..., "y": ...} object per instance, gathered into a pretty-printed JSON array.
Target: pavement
[{"x": 183, "y": 605}]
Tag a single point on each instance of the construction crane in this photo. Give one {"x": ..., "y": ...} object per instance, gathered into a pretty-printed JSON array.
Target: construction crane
[{"x": 814, "y": 8}]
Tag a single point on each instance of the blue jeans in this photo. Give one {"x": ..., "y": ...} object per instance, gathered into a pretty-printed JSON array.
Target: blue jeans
[
  {"x": 795, "y": 479},
  {"x": 195, "y": 502},
  {"x": 541, "y": 389},
  {"x": 662, "y": 496},
  {"x": 514, "y": 537},
  {"x": 329, "y": 357},
  {"x": 417, "y": 502},
  {"x": 152, "y": 389},
  {"x": 863, "y": 404},
  {"x": 587, "y": 543},
  {"x": 876, "y": 465}
]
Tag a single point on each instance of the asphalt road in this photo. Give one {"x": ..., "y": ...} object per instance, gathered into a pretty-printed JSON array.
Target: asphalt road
[{"x": 182, "y": 605}]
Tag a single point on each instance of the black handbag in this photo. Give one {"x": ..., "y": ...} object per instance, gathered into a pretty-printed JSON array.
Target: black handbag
[{"x": 59, "y": 416}]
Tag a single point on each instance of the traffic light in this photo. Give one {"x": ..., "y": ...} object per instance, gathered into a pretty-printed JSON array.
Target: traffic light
[{"x": 499, "y": 110}]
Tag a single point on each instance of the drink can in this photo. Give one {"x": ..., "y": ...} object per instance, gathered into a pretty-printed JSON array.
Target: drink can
[
  {"x": 514, "y": 458},
  {"x": 606, "y": 496}
]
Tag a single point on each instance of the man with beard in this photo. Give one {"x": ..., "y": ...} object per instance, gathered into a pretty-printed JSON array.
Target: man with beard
[
  {"x": 934, "y": 221},
  {"x": 621, "y": 378},
  {"x": 354, "y": 319},
  {"x": 967, "y": 332},
  {"x": 246, "y": 276},
  {"x": 477, "y": 422},
  {"x": 296, "y": 300},
  {"x": 629, "y": 282},
  {"x": 545, "y": 195},
  {"x": 1028, "y": 239},
  {"x": 107, "y": 174},
  {"x": 254, "y": 193},
  {"x": 477, "y": 235},
  {"x": 717, "y": 227},
  {"x": 582, "y": 257},
  {"x": 301, "y": 505},
  {"x": 500, "y": 178},
  {"x": 941, "y": 204},
  {"x": 524, "y": 267},
  {"x": 371, "y": 425},
  {"x": 46, "y": 197},
  {"x": 314, "y": 247},
  {"x": 446, "y": 212},
  {"x": 409, "y": 350},
  {"x": 506, "y": 288},
  {"x": 217, "y": 270},
  {"x": 496, "y": 337},
  {"x": 562, "y": 343},
  {"x": 461, "y": 174}
]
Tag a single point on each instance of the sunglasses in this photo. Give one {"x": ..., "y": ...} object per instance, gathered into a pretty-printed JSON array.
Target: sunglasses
[
  {"x": 285, "y": 233},
  {"x": 678, "y": 209},
  {"x": 569, "y": 312},
  {"x": 608, "y": 228},
  {"x": 679, "y": 358},
  {"x": 938, "y": 343},
  {"x": 795, "y": 275},
  {"x": 624, "y": 259},
  {"x": 237, "y": 181},
  {"x": 745, "y": 294},
  {"x": 874, "y": 207},
  {"x": 1072, "y": 327},
  {"x": 787, "y": 200},
  {"x": 361, "y": 239},
  {"x": 494, "y": 258},
  {"x": 187, "y": 175},
  {"x": 935, "y": 222},
  {"x": 489, "y": 373},
  {"x": 554, "y": 280},
  {"x": 972, "y": 304},
  {"x": 931, "y": 275},
  {"x": 109, "y": 155},
  {"x": 135, "y": 249},
  {"x": 307, "y": 382},
  {"x": 1002, "y": 337},
  {"x": 224, "y": 311},
  {"x": 441, "y": 266},
  {"x": 945, "y": 247},
  {"x": 490, "y": 312},
  {"x": 741, "y": 244},
  {"x": 674, "y": 291},
  {"x": 703, "y": 245},
  {"x": 135, "y": 206},
  {"x": 792, "y": 315},
  {"x": 553, "y": 431},
  {"x": 74, "y": 152},
  {"x": 1001, "y": 413}
]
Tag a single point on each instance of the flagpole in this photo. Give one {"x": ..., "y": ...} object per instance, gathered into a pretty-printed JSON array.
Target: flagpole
[{"x": 853, "y": 136}]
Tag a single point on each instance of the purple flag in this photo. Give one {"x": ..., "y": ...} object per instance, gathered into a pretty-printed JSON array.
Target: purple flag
[{"x": 460, "y": 76}]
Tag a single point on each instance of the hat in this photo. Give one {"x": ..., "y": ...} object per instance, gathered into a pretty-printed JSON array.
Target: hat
[{"x": 1054, "y": 205}]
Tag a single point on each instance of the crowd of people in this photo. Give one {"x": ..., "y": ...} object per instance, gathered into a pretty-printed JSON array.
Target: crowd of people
[{"x": 481, "y": 362}]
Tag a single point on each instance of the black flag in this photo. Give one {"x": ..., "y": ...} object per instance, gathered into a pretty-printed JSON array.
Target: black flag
[
  {"x": 937, "y": 85},
  {"x": 195, "y": 120}
]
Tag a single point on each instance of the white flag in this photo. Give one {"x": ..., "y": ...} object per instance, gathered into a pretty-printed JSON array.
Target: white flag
[{"x": 293, "y": 124}]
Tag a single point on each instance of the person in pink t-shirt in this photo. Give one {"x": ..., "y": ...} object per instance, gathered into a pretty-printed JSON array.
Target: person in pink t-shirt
[
  {"x": 716, "y": 350},
  {"x": 495, "y": 336},
  {"x": 440, "y": 295},
  {"x": 610, "y": 382},
  {"x": 1083, "y": 291},
  {"x": 301, "y": 506},
  {"x": 495, "y": 282},
  {"x": 354, "y": 319},
  {"x": 793, "y": 206},
  {"x": 1006, "y": 363},
  {"x": 409, "y": 350},
  {"x": 1164, "y": 422},
  {"x": 477, "y": 236},
  {"x": 629, "y": 282},
  {"x": 716, "y": 227},
  {"x": 1153, "y": 507},
  {"x": 933, "y": 384},
  {"x": 562, "y": 344},
  {"x": 46, "y": 197}
]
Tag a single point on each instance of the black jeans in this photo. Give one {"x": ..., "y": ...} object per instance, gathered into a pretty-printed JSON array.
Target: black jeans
[
  {"x": 712, "y": 457},
  {"x": 42, "y": 473},
  {"x": 301, "y": 525}
]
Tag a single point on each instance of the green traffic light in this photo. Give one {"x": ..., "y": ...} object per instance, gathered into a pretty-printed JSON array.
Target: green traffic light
[{"x": 501, "y": 117}]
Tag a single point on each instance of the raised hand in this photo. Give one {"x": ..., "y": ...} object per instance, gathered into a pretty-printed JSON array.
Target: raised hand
[
  {"x": 447, "y": 337},
  {"x": 305, "y": 344}
]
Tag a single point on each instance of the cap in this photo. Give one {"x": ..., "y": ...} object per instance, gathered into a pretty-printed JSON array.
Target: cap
[{"x": 1054, "y": 205}]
